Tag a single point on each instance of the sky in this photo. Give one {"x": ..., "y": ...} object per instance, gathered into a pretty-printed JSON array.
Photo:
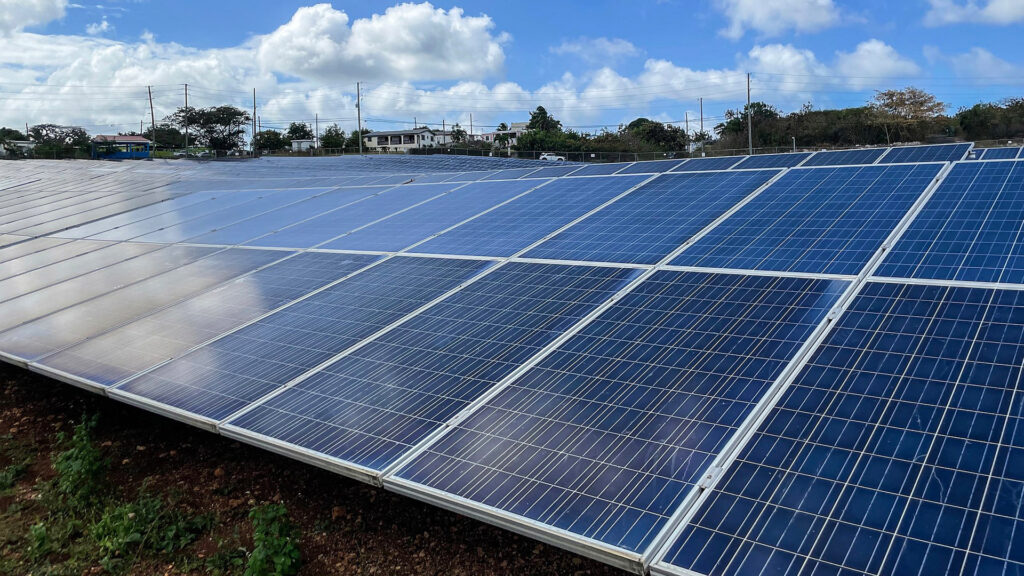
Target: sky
[{"x": 593, "y": 64}]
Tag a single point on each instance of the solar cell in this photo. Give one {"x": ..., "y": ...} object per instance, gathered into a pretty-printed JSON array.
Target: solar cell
[
  {"x": 891, "y": 453},
  {"x": 554, "y": 171},
  {"x": 605, "y": 436},
  {"x": 13, "y": 252},
  {"x": 821, "y": 220},
  {"x": 111, "y": 357},
  {"x": 652, "y": 221},
  {"x": 941, "y": 153},
  {"x": 600, "y": 169},
  {"x": 845, "y": 157},
  {"x": 372, "y": 405},
  {"x": 998, "y": 153},
  {"x": 510, "y": 174},
  {"x": 703, "y": 164},
  {"x": 650, "y": 167},
  {"x": 227, "y": 374},
  {"x": 525, "y": 220},
  {"x": 970, "y": 228},
  {"x": 773, "y": 160},
  {"x": 402, "y": 230}
]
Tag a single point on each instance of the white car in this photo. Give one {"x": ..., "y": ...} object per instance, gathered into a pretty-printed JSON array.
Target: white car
[{"x": 552, "y": 157}]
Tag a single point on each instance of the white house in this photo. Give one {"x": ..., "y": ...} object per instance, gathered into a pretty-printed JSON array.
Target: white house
[
  {"x": 302, "y": 145},
  {"x": 514, "y": 131},
  {"x": 402, "y": 140},
  {"x": 16, "y": 147}
]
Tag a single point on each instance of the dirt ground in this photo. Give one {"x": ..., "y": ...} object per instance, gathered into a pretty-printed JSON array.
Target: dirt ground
[{"x": 346, "y": 527}]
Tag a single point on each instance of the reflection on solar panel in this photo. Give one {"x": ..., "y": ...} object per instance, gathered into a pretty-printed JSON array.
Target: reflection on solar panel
[
  {"x": 823, "y": 220},
  {"x": 702, "y": 164},
  {"x": 892, "y": 452},
  {"x": 229, "y": 373},
  {"x": 845, "y": 157},
  {"x": 599, "y": 169},
  {"x": 605, "y": 436},
  {"x": 942, "y": 153},
  {"x": 523, "y": 221},
  {"x": 970, "y": 229},
  {"x": 553, "y": 171},
  {"x": 998, "y": 153},
  {"x": 773, "y": 160},
  {"x": 650, "y": 222},
  {"x": 376, "y": 402},
  {"x": 650, "y": 167}
]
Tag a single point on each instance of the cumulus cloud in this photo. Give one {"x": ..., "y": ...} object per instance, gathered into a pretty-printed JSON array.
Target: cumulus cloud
[
  {"x": 98, "y": 28},
  {"x": 774, "y": 17},
  {"x": 597, "y": 50},
  {"x": 872, "y": 60},
  {"x": 409, "y": 41},
  {"x": 1000, "y": 12},
  {"x": 978, "y": 65},
  {"x": 16, "y": 15}
]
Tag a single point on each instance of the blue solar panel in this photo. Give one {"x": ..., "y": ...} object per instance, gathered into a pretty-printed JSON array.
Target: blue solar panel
[
  {"x": 650, "y": 167},
  {"x": 774, "y": 160},
  {"x": 845, "y": 157},
  {"x": 554, "y": 171},
  {"x": 144, "y": 343},
  {"x": 652, "y": 221},
  {"x": 523, "y": 221},
  {"x": 824, "y": 220},
  {"x": 896, "y": 450},
  {"x": 510, "y": 174},
  {"x": 229, "y": 373},
  {"x": 604, "y": 437},
  {"x": 333, "y": 224},
  {"x": 600, "y": 169},
  {"x": 703, "y": 164},
  {"x": 942, "y": 153},
  {"x": 63, "y": 262},
  {"x": 998, "y": 153},
  {"x": 970, "y": 229},
  {"x": 423, "y": 221},
  {"x": 372, "y": 405}
]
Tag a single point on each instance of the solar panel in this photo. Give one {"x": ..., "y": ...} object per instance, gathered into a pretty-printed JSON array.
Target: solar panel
[
  {"x": 891, "y": 453},
  {"x": 143, "y": 343},
  {"x": 773, "y": 160},
  {"x": 600, "y": 169},
  {"x": 941, "y": 153},
  {"x": 525, "y": 220},
  {"x": 65, "y": 327},
  {"x": 702, "y": 164},
  {"x": 650, "y": 167},
  {"x": 375, "y": 403},
  {"x": 423, "y": 221},
  {"x": 998, "y": 153},
  {"x": 652, "y": 221},
  {"x": 510, "y": 174},
  {"x": 605, "y": 436},
  {"x": 969, "y": 229},
  {"x": 821, "y": 220},
  {"x": 227, "y": 374},
  {"x": 554, "y": 171},
  {"x": 845, "y": 157}
]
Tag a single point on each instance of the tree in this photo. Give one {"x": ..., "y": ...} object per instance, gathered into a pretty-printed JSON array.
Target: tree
[
  {"x": 910, "y": 111},
  {"x": 217, "y": 127},
  {"x": 54, "y": 135},
  {"x": 333, "y": 137},
  {"x": 270, "y": 140},
  {"x": 502, "y": 139},
  {"x": 167, "y": 136},
  {"x": 7, "y": 134},
  {"x": 299, "y": 131},
  {"x": 353, "y": 138},
  {"x": 541, "y": 121},
  {"x": 458, "y": 134}
]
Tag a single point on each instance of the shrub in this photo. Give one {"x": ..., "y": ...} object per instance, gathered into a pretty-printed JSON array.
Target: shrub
[
  {"x": 275, "y": 547},
  {"x": 81, "y": 468}
]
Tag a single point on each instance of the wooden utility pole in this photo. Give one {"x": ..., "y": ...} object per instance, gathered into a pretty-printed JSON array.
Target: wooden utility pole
[
  {"x": 359, "y": 119},
  {"x": 750, "y": 120},
  {"x": 186, "y": 120},
  {"x": 316, "y": 137},
  {"x": 252, "y": 142},
  {"x": 701, "y": 101},
  {"x": 152, "y": 116}
]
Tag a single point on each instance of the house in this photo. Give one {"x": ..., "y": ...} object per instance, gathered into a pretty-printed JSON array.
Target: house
[
  {"x": 514, "y": 131},
  {"x": 16, "y": 148},
  {"x": 120, "y": 147},
  {"x": 402, "y": 140},
  {"x": 300, "y": 145}
]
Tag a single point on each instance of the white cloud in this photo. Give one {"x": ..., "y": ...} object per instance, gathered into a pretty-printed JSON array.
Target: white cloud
[
  {"x": 409, "y": 41},
  {"x": 774, "y": 17},
  {"x": 1001, "y": 12},
  {"x": 16, "y": 15},
  {"x": 872, "y": 60},
  {"x": 597, "y": 50},
  {"x": 98, "y": 28},
  {"x": 978, "y": 65}
]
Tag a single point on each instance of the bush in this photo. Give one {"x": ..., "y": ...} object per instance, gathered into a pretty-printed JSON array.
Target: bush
[
  {"x": 275, "y": 547},
  {"x": 145, "y": 523},
  {"x": 81, "y": 468}
]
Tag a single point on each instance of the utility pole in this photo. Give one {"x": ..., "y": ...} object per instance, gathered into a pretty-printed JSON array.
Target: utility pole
[
  {"x": 152, "y": 117},
  {"x": 140, "y": 127},
  {"x": 794, "y": 143},
  {"x": 186, "y": 120},
  {"x": 686, "y": 115},
  {"x": 701, "y": 100},
  {"x": 750, "y": 120},
  {"x": 359, "y": 120},
  {"x": 316, "y": 121},
  {"x": 470, "y": 123},
  {"x": 414, "y": 125},
  {"x": 252, "y": 142}
]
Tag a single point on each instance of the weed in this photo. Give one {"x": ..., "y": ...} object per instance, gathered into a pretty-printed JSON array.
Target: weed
[
  {"x": 39, "y": 543},
  {"x": 81, "y": 468},
  {"x": 275, "y": 547},
  {"x": 229, "y": 556},
  {"x": 10, "y": 474}
]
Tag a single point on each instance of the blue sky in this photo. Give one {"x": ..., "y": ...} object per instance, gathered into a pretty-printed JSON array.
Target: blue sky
[{"x": 594, "y": 63}]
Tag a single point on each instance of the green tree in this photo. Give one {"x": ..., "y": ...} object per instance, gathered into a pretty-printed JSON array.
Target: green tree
[
  {"x": 270, "y": 140},
  {"x": 333, "y": 137},
  {"x": 52, "y": 134},
  {"x": 908, "y": 113},
  {"x": 299, "y": 131},
  {"x": 167, "y": 136},
  {"x": 458, "y": 134},
  {"x": 353, "y": 139},
  {"x": 541, "y": 121},
  {"x": 11, "y": 134},
  {"x": 502, "y": 139},
  {"x": 217, "y": 127}
]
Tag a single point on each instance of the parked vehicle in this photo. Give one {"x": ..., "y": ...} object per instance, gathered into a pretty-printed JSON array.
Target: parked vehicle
[{"x": 551, "y": 157}]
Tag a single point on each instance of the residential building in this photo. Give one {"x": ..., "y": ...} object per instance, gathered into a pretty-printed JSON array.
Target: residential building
[
  {"x": 301, "y": 145},
  {"x": 120, "y": 147},
  {"x": 514, "y": 131},
  {"x": 402, "y": 140}
]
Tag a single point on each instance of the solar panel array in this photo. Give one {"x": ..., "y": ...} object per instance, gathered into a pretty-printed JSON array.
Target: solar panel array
[{"x": 768, "y": 364}]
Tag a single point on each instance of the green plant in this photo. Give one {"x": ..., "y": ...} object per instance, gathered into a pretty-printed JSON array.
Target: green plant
[
  {"x": 275, "y": 546},
  {"x": 147, "y": 523},
  {"x": 81, "y": 468},
  {"x": 9, "y": 474},
  {"x": 39, "y": 542},
  {"x": 230, "y": 555}
]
